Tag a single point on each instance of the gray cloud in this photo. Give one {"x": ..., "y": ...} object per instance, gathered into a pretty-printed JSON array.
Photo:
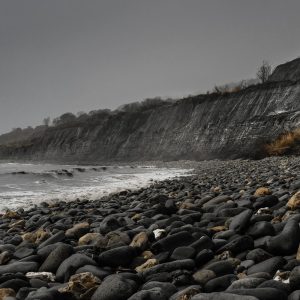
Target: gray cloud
[{"x": 72, "y": 55}]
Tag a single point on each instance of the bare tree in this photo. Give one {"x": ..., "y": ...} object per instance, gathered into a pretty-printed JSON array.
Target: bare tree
[
  {"x": 264, "y": 72},
  {"x": 46, "y": 121}
]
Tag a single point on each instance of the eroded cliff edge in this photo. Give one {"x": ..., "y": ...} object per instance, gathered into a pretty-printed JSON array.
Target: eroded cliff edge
[{"x": 196, "y": 128}]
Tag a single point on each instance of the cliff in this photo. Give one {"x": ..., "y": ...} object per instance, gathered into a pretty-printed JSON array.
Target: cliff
[
  {"x": 202, "y": 127},
  {"x": 288, "y": 71}
]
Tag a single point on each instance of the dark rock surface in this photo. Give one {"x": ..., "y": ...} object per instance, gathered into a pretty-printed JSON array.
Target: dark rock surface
[{"x": 287, "y": 71}]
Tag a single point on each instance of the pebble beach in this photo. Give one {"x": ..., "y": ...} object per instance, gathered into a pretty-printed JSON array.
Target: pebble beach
[{"x": 229, "y": 231}]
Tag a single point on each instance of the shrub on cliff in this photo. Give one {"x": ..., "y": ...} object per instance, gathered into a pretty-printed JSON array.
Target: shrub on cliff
[
  {"x": 264, "y": 72},
  {"x": 64, "y": 119},
  {"x": 284, "y": 143},
  {"x": 146, "y": 104},
  {"x": 233, "y": 87}
]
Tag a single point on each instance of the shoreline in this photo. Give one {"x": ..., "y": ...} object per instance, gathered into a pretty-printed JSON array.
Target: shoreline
[
  {"x": 226, "y": 230},
  {"x": 53, "y": 183}
]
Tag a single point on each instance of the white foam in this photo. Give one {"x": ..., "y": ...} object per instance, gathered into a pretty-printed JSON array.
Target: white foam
[{"x": 84, "y": 185}]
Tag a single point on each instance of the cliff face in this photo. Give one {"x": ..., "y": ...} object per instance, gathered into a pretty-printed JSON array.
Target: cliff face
[
  {"x": 288, "y": 71},
  {"x": 201, "y": 127}
]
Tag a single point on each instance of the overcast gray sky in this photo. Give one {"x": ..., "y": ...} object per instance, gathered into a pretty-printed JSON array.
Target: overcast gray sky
[{"x": 78, "y": 55}]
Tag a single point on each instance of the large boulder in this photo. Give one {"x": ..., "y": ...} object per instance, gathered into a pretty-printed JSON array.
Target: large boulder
[
  {"x": 115, "y": 287},
  {"x": 19, "y": 267},
  {"x": 121, "y": 256},
  {"x": 71, "y": 264},
  {"x": 56, "y": 257},
  {"x": 287, "y": 241}
]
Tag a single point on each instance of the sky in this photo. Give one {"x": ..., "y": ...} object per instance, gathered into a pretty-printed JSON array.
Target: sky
[{"x": 60, "y": 56}]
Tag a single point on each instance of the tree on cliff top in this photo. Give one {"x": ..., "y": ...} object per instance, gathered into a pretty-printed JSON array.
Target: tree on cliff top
[
  {"x": 64, "y": 119},
  {"x": 264, "y": 72},
  {"x": 46, "y": 121}
]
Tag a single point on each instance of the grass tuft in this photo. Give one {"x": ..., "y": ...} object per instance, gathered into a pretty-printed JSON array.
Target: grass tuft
[{"x": 283, "y": 143}]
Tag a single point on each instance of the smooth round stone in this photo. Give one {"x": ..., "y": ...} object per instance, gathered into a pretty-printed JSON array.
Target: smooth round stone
[
  {"x": 216, "y": 201},
  {"x": 291, "y": 264},
  {"x": 260, "y": 229},
  {"x": 71, "y": 264},
  {"x": 161, "y": 277},
  {"x": 287, "y": 242},
  {"x": 242, "y": 256},
  {"x": 171, "y": 242},
  {"x": 247, "y": 263},
  {"x": 185, "y": 264},
  {"x": 120, "y": 256},
  {"x": 246, "y": 283},
  {"x": 276, "y": 284},
  {"x": 294, "y": 295},
  {"x": 78, "y": 230},
  {"x": 204, "y": 256},
  {"x": 258, "y": 255},
  {"x": 295, "y": 278},
  {"x": 56, "y": 257},
  {"x": 224, "y": 235},
  {"x": 270, "y": 266},
  {"x": 221, "y": 267},
  {"x": 203, "y": 276},
  {"x": 14, "y": 284},
  {"x": 57, "y": 237},
  {"x": 261, "y": 218},
  {"x": 181, "y": 278},
  {"x": 219, "y": 243},
  {"x": 37, "y": 283},
  {"x": 240, "y": 222},
  {"x": 244, "y": 203},
  {"x": 203, "y": 243},
  {"x": 43, "y": 293},
  {"x": 170, "y": 207},
  {"x": 168, "y": 288},
  {"x": 279, "y": 227},
  {"x": 7, "y": 247},
  {"x": 183, "y": 253},
  {"x": 35, "y": 258},
  {"x": 262, "y": 293},
  {"x": 23, "y": 252},
  {"x": 23, "y": 292},
  {"x": 45, "y": 251},
  {"x": 16, "y": 240},
  {"x": 22, "y": 267},
  {"x": 176, "y": 224},
  {"x": 96, "y": 271},
  {"x": 230, "y": 211},
  {"x": 238, "y": 245},
  {"x": 162, "y": 257},
  {"x": 219, "y": 284},
  {"x": 267, "y": 201},
  {"x": 109, "y": 224},
  {"x": 221, "y": 296},
  {"x": 262, "y": 242},
  {"x": 114, "y": 287},
  {"x": 263, "y": 275},
  {"x": 151, "y": 294}
]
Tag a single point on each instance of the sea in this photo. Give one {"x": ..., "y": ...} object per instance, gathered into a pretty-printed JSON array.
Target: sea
[{"x": 23, "y": 185}]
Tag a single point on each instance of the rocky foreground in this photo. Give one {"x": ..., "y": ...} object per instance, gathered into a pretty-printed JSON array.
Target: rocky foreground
[{"x": 230, "y": 232}]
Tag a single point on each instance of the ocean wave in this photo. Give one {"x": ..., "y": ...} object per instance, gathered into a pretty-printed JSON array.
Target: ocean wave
[
  {"x": 88, "y": 186},
  {"x": 56, "y": 173}
]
